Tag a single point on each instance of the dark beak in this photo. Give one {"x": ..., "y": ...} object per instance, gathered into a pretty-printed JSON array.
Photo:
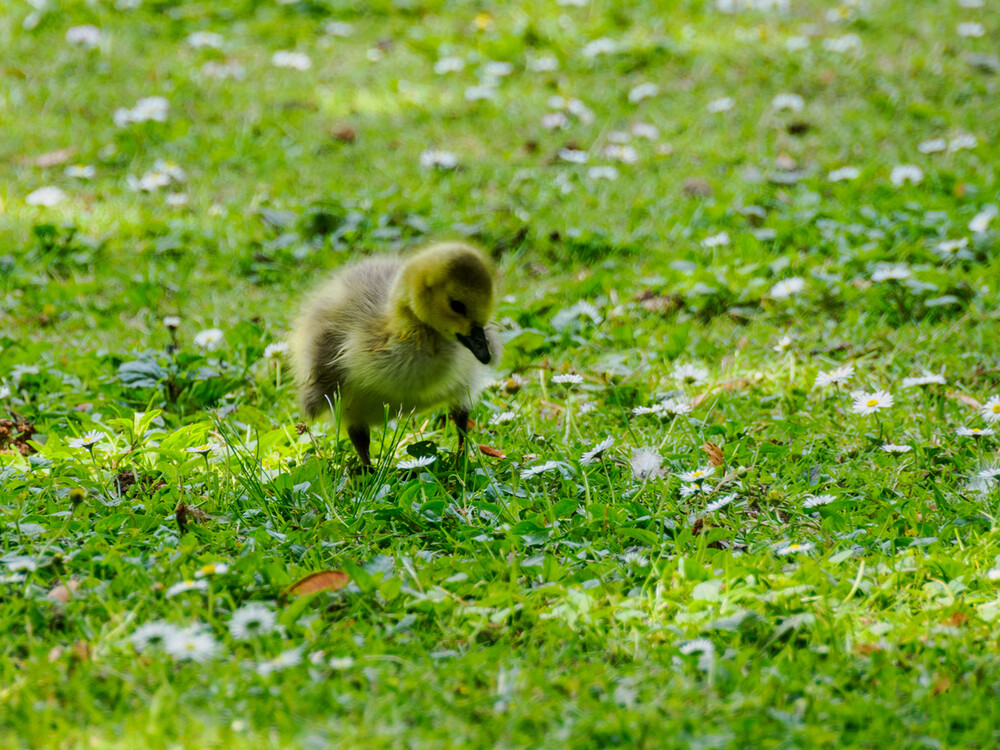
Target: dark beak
[{"x": 476, "y": 343}]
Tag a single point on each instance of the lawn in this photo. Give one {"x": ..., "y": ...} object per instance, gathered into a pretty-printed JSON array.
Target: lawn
[{"x": 736, "y": 482}]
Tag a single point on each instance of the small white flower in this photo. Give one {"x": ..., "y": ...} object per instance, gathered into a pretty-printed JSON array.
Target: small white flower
[
  {"x": 687, "y": 490},
  {"x": 46, "y": 196},
  {"x": 252, "y": 620},
  {"x": 224, "y": 70},
  {"x": 870, "y": 403},
  {"x": 621, "y": 152},
  {"x": 792, "y": 102},
  {"x": 643, "y": 91},
  {"x": 794, "y": 549},
  {"x": 842, "y": 44},
  {"x": 192, "y": 644},
  {"x": 532, "y": 471},
  {"x": 570, "y": 378},
  {"x": 184, "y": 586},
  {"x": 814, "y": 501},
  {"x": 275, "y": 350},
  {"x": 991, "y": 473},
  {"x": 925, "y": 379},
  {"x": 285, "y": 660},
  {"x": 202, "y": 450},
  {"x": 635, "y": 559},
  {"x": 210, "y": 339},
  {"x": 291, "y": 59},
  {"x": 974, "y": 431},
  {"x": 21, "y": 563},
  {"x": 689, "y": 373},
  {"x": 698, "y": 475},
  {"x": 484, "y": 91},
  {"x": 176, "y": 200},
  {"x": 716, "y": 240},
  {"x": 211, "y": 569},
  {"x": 721, "y": 503},
  {"x": 971, "y": 29},
  {"x": 339, "y": 28},
  {"x": 993, "y": 574},
  {"x": 554, "y": 120},
  {"x": 675, "y": 406},
  {"x": 597, "y": 47},
  {"x": 416, "y": 463},
  {"x": 88, "y": 441},
  {"x": 894, "y": 448},
  {"x": 981, "y": 221},
  {"x": 434, "y": 158},
  {"x": 991, "y": 410},
  {"x": 341, "y": 662},
  {"x": 844, "y": 174},
  {"x": 645, "y": 463},
  {"x": 645, "y": 130},
  {"x": 449, "y": 65},
  {"x": 86, "y": 36},
  {"x": 783, "y": 343},
  {"x": 503, "y": 417},
  {"x": 597, "y": 451},
  {"x": 971, "y": 3},
  {"x": 641, "y": 410},
  {"x": 903, "y": 173},
  {"x": 962, "y": 142},
  {"x": 787, "y": 288},
  {"x": 199, "y": 39},
  {"x": 153, "y": 634},
  {"x": 952, "y": 247},
  {"x": 933, "y": 146},
  {"x": 724, "y": 104},
  {"x": 603, "y": 173},
  {"x": 574, "y": 155},
  {"x": 172, "y": 321},
  {"x": 150, "y": 108},
  {"x": 80, "y": 171},
  {"x": 891, "y": 272}
]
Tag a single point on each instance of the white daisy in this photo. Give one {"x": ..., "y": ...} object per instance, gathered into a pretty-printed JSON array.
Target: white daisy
[
  {"x": 870, "y": 403},
  {"x": 574, "y": 155},
  {"x": 716, "y": 240},
  {"x": 689, "y": 373},
  {"x": 635, "y": 559},
  {"x": 416, "y": 463},
  {"x": 87, "y": 35},
  {"x": 839, "y": 375},
  {"x": 341, "y": 662},
  {"x": 787, "y": 288},
  {"x": 948, "y": 248},
  {"x": 974, "y": 431},
  {"x": 687, "y": 490},
  {"x": 903, "y": 173},
  {"x": 447, "y": 65},
  {"x": 844, "y": 174},
  {"x": 962, "y": 142},
  {"x": 841, "y": 44},
  {"x": 252, "y": 620},
  {"x": 795, "y": 549},
  {"x": 933, "y": 146},
  {"x": 891, "y": 272},
  {"x": 698, "y": 475},
  {"x": 797, "y": 43},
  {"x": 202, "y": 450},
  {"x": 925, "y": 379},
  {"x": 211, "y": 569},
  {"x": 602, "y": 46},
  {"x": 46, "y": 196},
  {"x": 532, "y": 471},
  {"x": 783, "y": 343},
  {"x": 971, "y": 29},
  {"x": 291, "y": 59},
  {"x": 643, "y": 91},
  {"x": 192, "y": 644},
  {"x": 724, "y": 104},
  {"x": 621, "y": 152},
  {"x": 150, "y": 108},
  {"x": 199, "y": 39},
  {"x": 645, "y": 130},
  {"x": 285, "y": 660},
  {"x": 273, "y": 351},
  {"x": 721, "y": 503},
  {"x": 894, "y": 448},
  {"x": 603, "y": 173},
  {"x": 210, "y": 339},
  {"x": 792, "y": 102},
  {"x": 568, "y": 378},
  {"x": 981, "y": 221},
  {"x": 554, "y": 120},
  {"x": 991, "y": 410},
  {"x": 185, "y": 586},
  {"x": 88, "y": 441},
  {"x": 434, "y": 158},
  {"x": 80, "y": 171},
  {"x": 503, "y": 417},
  {"x": 641, "y": 410},
  {"x": 675, "y": 406},
  {"x": 645, "y": 463},
  {"x": 814, "y": 501},
  {"x": 991, "y": 473},
  {"x": 153, "y": 634},
  {"x": 597, "y": 451}
]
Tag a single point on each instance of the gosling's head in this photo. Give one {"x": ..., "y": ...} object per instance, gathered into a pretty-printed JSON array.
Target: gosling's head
[{"x": 449, "y": 287}]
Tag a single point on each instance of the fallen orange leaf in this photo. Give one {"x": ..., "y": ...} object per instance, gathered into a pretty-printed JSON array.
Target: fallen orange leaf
[{"x": 325, "y": 580}]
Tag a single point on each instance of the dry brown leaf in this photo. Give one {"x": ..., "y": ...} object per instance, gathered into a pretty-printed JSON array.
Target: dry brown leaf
[
  {"x": 64, "y": 591},
  {"x": 489, "y": 450},
  {"x": 714, "y": 453},
  {"x": 54, "y": 158},
  {"x": 185, "y": 513},
  {"x": 81, "y": 650},
  {"x": 866, "y": 649},
  {"x": 325, "y": 580},
  {"x": 942, "y": 685},
  {"x": 957, "y": 619},
  {"x": 969, "y": 401}
]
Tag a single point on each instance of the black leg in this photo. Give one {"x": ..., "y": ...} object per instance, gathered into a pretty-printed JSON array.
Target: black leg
[
  {"x": 461, "y": 416},
  {"x": 361, "y": 439}
]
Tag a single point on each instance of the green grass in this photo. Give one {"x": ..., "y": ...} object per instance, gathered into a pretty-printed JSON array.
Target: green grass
[{"x": 579, "y": 606}]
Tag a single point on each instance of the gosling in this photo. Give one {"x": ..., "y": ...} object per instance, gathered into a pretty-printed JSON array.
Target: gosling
[{"x": 407, "y": 334}]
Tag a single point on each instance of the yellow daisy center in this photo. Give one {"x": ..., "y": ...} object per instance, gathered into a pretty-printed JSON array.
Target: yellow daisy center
[
  {"x": 872, "y": 402},
  {"x": 996, "y": 408},
  {"x": 208, "y": 569}
]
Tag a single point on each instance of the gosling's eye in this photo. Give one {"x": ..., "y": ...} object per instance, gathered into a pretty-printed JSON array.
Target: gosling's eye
[{"x": 458, "y": 307}]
